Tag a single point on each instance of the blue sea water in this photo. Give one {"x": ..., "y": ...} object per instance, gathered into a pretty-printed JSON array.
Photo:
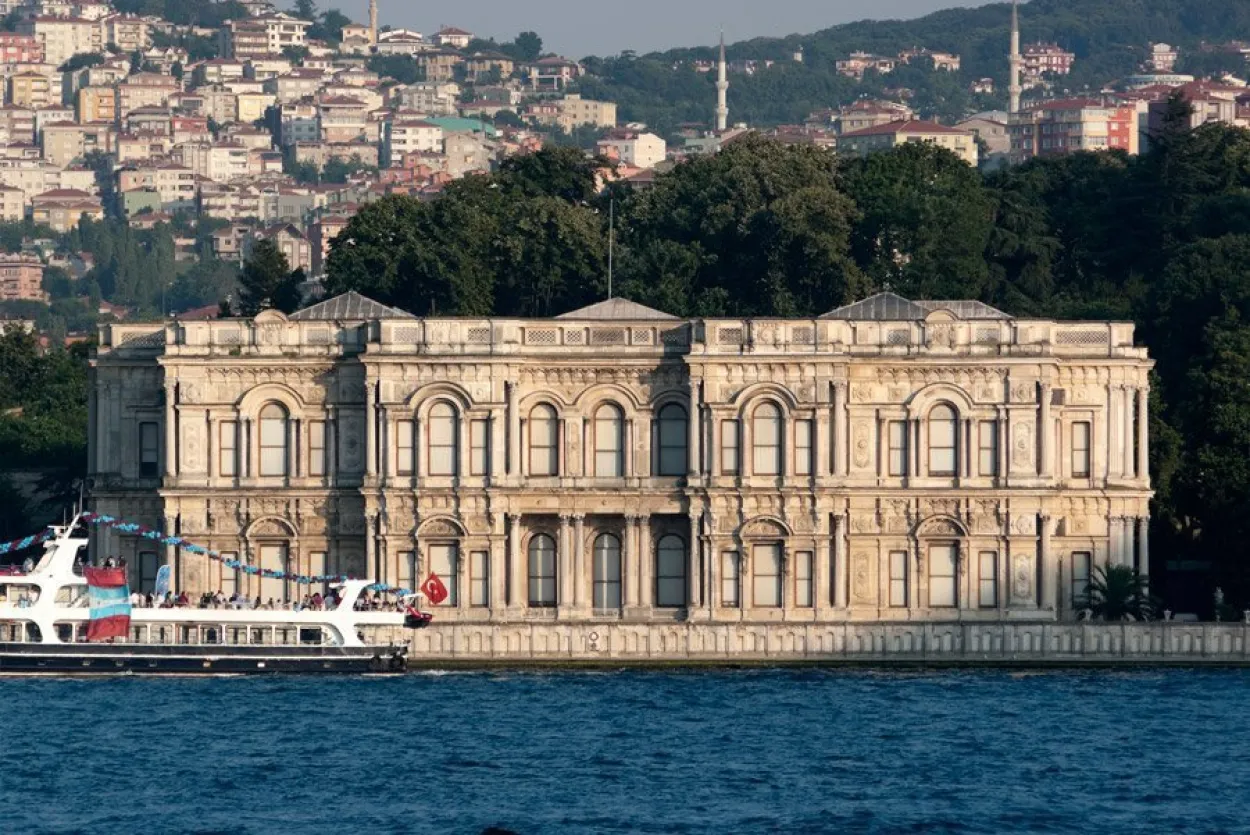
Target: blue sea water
[{"x": 657, "y": 752}]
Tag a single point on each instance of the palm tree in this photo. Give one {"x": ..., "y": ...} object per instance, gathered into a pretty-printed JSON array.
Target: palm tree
[{"x": 1118, "y": 592}]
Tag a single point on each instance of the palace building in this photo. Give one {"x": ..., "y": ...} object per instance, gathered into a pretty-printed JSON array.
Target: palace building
[{"x": 891, "y": 460}]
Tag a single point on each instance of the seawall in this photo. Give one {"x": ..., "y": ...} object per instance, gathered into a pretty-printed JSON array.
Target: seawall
[{"x": 1021, "y": 645}]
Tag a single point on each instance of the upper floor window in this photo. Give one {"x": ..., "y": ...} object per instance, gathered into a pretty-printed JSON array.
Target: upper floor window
[
  {"x": 479, "y": 460},
  {"x": 609, "y": 431},
  {"x": 405, "y": 438},
  {"x": 1080, "y": 449},
  {"x": 987, "y": 448},
  {"x": 802, "y": 447},
  {"x": 943, "y": 441},
  {"x": 149, "y": 450},
  {"x": 444, "y": 446},
  {"x": 897, "y": 448},
  {"x": 671, "y": 440},
  {"x": 729, "y": 447},
  {"x": 317, "y": 447},
  {"x": 543, "y": 433},
  {"x": 273, "y": 440},
  {"x": 766, "y": 439},
  {"x": 227, "y": 448}
]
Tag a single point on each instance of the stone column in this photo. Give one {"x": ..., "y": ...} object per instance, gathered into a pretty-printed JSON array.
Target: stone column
[
  {"x": 1143, "y": 548},
  {"x": 1045, "y": 433},
  {"x": 371, "y": 429},
  {"x": 170, "y": 457},
  {"x": 1047, "y": 567},
  {"x": 822, "y": 559},
  {"x": 295, "y": 448},
  {"x": 582, "y": 578},
  {"x": 1004, "y": 445},
  {"x": 1115, "y": 427},
  {"x": 371, "y": 545},
  {"x": 244, "y": 468},
  {"x": 564, "y": 570},
  {"x": 839, "y": 428},
  {"x": 646, "y": 564},
  {"x": 332, "y": 443},
  {"x": 1143, "y": 434},
  {"x": 692, "y": 564},
  {"x": 496, "y": 450},
  {"x": 513, "y": 453},
  {"x": 496, "y": 567},
  {"x": 712, "y": 597},
  {"x": 629, "y": 562},
  {"x": 1115, "y": 548},
  {"x": 171, "y": 556},
  {"x": 821, "y": 456},
  {"x": 839, "y": 562},
  {"x": 692, "y": 431},
  {"x": 518, "y": 594}
]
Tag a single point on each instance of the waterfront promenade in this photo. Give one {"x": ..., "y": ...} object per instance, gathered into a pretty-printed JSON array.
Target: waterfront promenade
[{"x": 929, "y": 644}]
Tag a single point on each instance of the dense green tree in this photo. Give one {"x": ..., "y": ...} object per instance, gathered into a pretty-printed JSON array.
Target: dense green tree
[
  {"x": 527, "y": 46},
  {"x": 1118, "y": 593},
  {"x": 206, "y": 282},
  {"x": 402, "y": 68},
  {"x": 268, "y": 281}
]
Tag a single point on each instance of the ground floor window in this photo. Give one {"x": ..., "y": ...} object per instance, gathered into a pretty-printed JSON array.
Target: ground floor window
[
  {"x": 729, "y": 579},
  {"x": 988, "y": 579},
  {"x": 607, "y": 572},
  {"x": 443, "y": 562},
  {"x": 766, "y": 573},
  {"x": 670, "y": 572},
  {"x": 943, "y": 561},
  {"x": 803, "y": 579},
  {"x": 542, "y": 571},
  {"x": 1081, "y": 561},
  {"x": 275, "y": 557},
  {"x": 898, "y": 578},
  {"x": 479, "y": 578}
]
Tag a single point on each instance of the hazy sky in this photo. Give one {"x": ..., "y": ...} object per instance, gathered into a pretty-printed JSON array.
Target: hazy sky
[{"x": 577, "y": 29}]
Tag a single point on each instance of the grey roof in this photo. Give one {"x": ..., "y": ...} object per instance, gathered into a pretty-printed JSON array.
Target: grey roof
[
  {"x": 349, "y": 307},
  {"x": 891, "y": 307},
  {"x": 618, "y": 310}
]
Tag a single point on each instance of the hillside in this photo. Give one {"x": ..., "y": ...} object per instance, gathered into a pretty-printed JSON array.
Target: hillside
[{"x": 1109, "y": 37}]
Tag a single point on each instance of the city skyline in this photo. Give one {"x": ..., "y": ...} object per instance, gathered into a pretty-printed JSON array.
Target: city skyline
[{"x": 563, "y": 29}]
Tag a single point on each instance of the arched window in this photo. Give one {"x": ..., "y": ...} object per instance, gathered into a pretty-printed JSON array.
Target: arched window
[
  {"x": 670, "y": 571},
  {"x": 766, "y": 439},
  {"x": 544, "y": 459},
  {"x": 609, "y": 442},
  {"x": 444, "y": 440},
  {"x": 542, "y": 571},
  {"x": 943, "y": 440},
  {"x": 607, "y": 572},
  {"x": 273, "y": 440},
  {"x": 670, "y": 436}
]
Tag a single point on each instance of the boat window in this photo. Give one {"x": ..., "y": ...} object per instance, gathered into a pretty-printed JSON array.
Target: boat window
[
  {"x": 21, "y": 596},
  {"x": 260, "y": 635},
  {"x": 310, "y": 635},
  {"x": 65, "y": 632}
]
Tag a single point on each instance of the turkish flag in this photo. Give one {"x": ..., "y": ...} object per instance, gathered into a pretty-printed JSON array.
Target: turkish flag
[{"x": 434, "y": 589}]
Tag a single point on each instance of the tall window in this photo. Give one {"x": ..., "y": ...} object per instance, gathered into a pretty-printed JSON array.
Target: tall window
[
  {"x": 803, "y": 578},
  {"x": 766, "y": 575},
  {"x": 730, "y": 579},
  {"x": 405, "y": 440},
  {"x": 943, "y": 441},
  {"x": 943, "y": 560},
  {"x": 408, "y": 570},
  {"x": 317, "y": 447},
  {"x": 273, "y": 440},
  {"x": 149, "y": 564},
  {"x": 897, "y": 431},
  {"x": 479, "y": 461},
  {"x": 443, "y": 559},
  {"x": 987, "y": 579},
  {"x": 607, "y": 572},
  {"x": 987, "y": 448},
  {"x": 227, "y": 448},
  {"x": 1080, "y": 578},
  {"x": 671, "y": 435},
  {"x": 479, "y": 578},
  {"x": 766, "y": 440},
  {"x": 275, "y": 557},
  {"x": 543, "y": 434},
  {"x": 229, "y": 576},
  {"x": 670, "y": 571},
  {"x": 609, "y": 442},
  {"x": 802, "y": 447},
  {"x": 729, "y": 447},
  {"x": 444, "y": 446},
  {"x": 542, "y": 571},
  {"x": 149, "y": 450},
  {"x": 1080, "y": 449},
  {"x": 898, "y": 578}
]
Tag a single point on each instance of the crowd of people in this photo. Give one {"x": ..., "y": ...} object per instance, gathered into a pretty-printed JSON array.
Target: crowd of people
[{"x": 315, "y": 602}]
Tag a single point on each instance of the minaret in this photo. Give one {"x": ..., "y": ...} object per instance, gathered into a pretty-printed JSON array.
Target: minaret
[
  {"x": 722, "y": 85},
  {"x": 1013, "y": 82},
  {"x": 373, "y": 21}
]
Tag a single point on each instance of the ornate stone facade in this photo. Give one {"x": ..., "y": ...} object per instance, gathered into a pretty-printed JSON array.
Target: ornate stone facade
[{"x": 892, "y": 460}]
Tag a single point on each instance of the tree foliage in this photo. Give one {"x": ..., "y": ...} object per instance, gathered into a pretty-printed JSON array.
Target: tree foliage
[{"x": 268, "y": 281}]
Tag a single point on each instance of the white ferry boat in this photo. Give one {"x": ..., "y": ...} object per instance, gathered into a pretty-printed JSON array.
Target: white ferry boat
[{"x": 45, "y": 615}]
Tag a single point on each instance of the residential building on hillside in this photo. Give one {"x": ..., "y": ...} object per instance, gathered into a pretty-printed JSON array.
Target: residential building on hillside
[
  {"x": 429, "y": 98},
  {"x": 1162, "y": 57},
  {"x": 404, "y": 133},
  {"x": 63, "y": 37},
  {"x": 641, "y": 149},
  {"x": 943, "y": 61},
  {"x": 263, "y": 36},
  {"x": 892, "y": 460},
  {"x": 1043, "y": 59},
  {"x": 860, "y": 62},
  {"x": 1065, "y": 126},
  {"x": 21, "y": 278},
  {"x": 868, "y": 113},
  {"x": 552, "y": 74},
  {"x": 960, "y": 142},
  {"x": 451, "y": 36}
]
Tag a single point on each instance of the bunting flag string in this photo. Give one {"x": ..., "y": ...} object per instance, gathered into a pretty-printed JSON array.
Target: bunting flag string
[
  {"x": 103, "y": 520},
  {"x": 24, "y": 543}
]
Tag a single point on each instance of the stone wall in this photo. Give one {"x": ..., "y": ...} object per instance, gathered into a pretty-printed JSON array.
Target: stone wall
[{"x": 1024, "y": 644}]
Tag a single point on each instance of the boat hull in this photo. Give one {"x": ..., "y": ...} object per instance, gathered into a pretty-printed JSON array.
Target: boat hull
[{"x": 115, "y": 659}]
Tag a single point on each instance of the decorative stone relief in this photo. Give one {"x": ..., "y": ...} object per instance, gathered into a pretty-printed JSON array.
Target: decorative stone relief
[
  {"x": 1024, "y": 524},
  {"x": 863, "y": 589},
  {"x": 864, "y": 523},
  {"x": 1023, "y": 393},
  {"x": 861, "y": 442},
  {"x": 192, "y": 448},
  {"x": 1022, "y": 448},
  {"x": 1022, "y": 579}
]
